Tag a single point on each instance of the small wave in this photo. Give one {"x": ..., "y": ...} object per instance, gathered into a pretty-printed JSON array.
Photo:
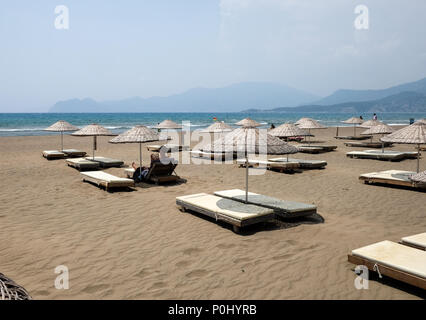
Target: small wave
[{"x": 20, "y": 129}]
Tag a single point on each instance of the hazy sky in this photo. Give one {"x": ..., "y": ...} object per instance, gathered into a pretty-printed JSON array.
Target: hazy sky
[{"x": 120, "y": 49}]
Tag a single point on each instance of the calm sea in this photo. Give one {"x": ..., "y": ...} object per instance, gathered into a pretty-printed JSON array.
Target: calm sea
[{"x": 30, "y": 124}]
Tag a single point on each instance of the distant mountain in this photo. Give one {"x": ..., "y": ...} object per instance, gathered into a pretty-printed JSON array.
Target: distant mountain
[
  {"x": 401, "y": 102},
  {"x": 342, "y": 96},
  {"x": 227, "y": 99}
]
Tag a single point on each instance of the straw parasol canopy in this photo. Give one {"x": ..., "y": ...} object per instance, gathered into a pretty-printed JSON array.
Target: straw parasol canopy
[
  {"x": 10, "y": 290},
  {"x": 93, "y": 130},
  {"x": 370, "y": 123},
  {"x": 250, "y": 141},
  {"x": 288, "y": 130},
  {"x": 354, "y": 121},
  {"x": 249, "y": 123},
  {"x": 137, "y": 134},
  {"x": 61, "y": 126},
  {"x": 302, "y": 120},
  {"x": 218, "y": 126},
  {"x": 379, "y": 129},
  {"x": 168, "y": 124},
  {"x": 413, "y": 134},
  {"x": 310, "y": 124},
  {"x": 419, "y": 177}
]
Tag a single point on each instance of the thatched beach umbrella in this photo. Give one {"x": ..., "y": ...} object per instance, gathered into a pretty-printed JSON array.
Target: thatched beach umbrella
[
  {"x": 354, "y": 121},
  {"x": 288, "y": 130},
  {"x": 167, "y": 124},
  {"x": 310, "y": 124},
  {"x": 302, "y": 120},
  {"x": 217, "y": 127},
  {"x": 138, "y": 134},
  {"x": 93, "y": 130},
  {"x": 10, "y": 290},
  {"x": 249, "y": 123},
  {"x": 370, "y": 123},
  {"x": 413, "y": 134},
  {"x": 250, "y": 141},
  {"x": 379, "y": 129},
  {"x": 61, "y": 126}
]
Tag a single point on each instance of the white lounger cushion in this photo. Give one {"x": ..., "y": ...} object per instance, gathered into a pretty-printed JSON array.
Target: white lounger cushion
[
  {"x": 53, "y": 153},
  {"x": 418, "y": 240},
  {"x": 80, "y": 161},
  {"x": 230, "y": 208},
  {"x": 103, "y": 176},
  {"x": 104, "y": 160},
  {"x": 265, "y": 201},
  {"x": 300, "y": 161},
  {"x": 289, "y": 164},
  {"x": 394, "y": 175},
  {"x": 396, "y": 256}
]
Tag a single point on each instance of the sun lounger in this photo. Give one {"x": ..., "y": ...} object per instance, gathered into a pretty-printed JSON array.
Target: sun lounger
[
  {"x": 169, "y": 146},
  {"x": 106, "y": 180},
  {"x": 74, "y": 153},
  {"x": 303, "y": 163},
  {"x": 158, "y": 173},
  {"x": 53, "y": 154},
  {"x": 82, "y": 164},
  {"x": 211, "y": 155},
  {"x": 106, "y": 162},
  {"x": 353, "y": 137},
  {"x": 310, "y": 149},
  {"x": 392, "y": 177},
  {"x": 324, "y": 148},
  {"x": 233, "y": 212},
  {"x": 270, "y": 165},
  {"x": 286, "y": 209},
  {"x": 379, "y": 155},
  {"x": 417, "y": 241},
  {"x": 367, "y": 144},
  {"x": 393, "y": 260}
]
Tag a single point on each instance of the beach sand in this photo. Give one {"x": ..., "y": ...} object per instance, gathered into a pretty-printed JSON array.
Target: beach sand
[{"x": 138, "y": 245}]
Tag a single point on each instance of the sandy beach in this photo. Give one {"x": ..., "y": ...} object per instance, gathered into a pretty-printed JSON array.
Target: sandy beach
[{"x": 138, "y": 245}]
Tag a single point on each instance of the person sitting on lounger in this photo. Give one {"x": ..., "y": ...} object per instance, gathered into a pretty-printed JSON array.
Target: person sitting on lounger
[{"x": 140, "y": 173}]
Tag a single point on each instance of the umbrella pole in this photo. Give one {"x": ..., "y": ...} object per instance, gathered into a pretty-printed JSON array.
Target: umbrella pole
[
  {"x": 309, "y": 137},
  {"x": 247, "y": 171},
  {"x": 383, "y": 145},
  {"x": 94, "y": 147},
  {"x": 418, "y": 158},
  {"x": 354, "y": 130},
  {"x": 337, "y": 131},
  {"x": 62, "y": 141},
  {"x": 140, "y": 159},
  {"x": 287, "y": 157}
]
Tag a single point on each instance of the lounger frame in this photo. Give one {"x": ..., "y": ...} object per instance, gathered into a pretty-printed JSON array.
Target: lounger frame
[
  {"x": 108, "y": 185},
  {"x": 83, "y": 166},
  {"x": 376, "y": 145},
  {"x": 373, "y": 180},
  {"x": 389, "y": 272},
  {"x": 236, "y": 223},
  {"x": 352, "y": 137}
]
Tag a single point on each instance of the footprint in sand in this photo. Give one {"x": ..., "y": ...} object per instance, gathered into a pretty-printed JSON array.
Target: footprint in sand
[
  {"x": 183, "y": 263},
  {"x": 197, "y": 273},
  {"x": 225, "y": 245},
  {"x": 191, "y": 251},
  {"x": 282, "y": 257},
  {"x": 95, "y": 288}
]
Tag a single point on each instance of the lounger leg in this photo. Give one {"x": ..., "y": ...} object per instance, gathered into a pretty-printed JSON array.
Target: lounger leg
[{"x": 236, "y": 229}]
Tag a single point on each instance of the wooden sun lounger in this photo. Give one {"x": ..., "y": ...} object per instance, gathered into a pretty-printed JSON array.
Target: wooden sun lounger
[
  {"x": 417, "y": 241},
  {"x": 53, "y": 154},
  {"x": 303, "y": 163},
  {"x": 283, "y": 208},
  {"x": 394, "y": 261},
  {"x": 172, "y": 147},
  {"x": 392, "y": 177},
  {"x": 353, "y": 137},
  {"x": 325, "y": 148},
  {"x": 158, "y": 173},
  {"x": 367, "y": 144},
  {"x": 82, "y": 164},
  {"x": 237, "y": 214},
  {"x": 211, "y": 155},
  {"x": 379, "y": 155},
  {"x": 270, "y": 165},
  {"x": 74, "y": 153},
  {"x": 312, "y": 149},
  {"x": 106, "y": 162},
  {"x": 106, "y": 180}
]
